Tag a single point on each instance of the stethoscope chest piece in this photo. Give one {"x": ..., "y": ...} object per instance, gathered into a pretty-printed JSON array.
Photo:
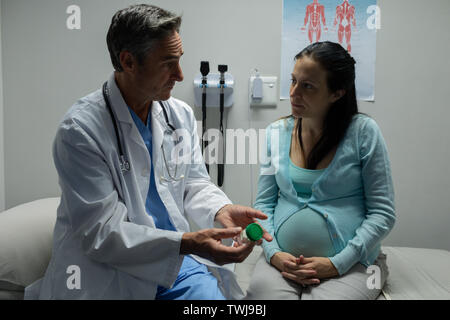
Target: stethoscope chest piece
[{"x": 124, "y": 164}]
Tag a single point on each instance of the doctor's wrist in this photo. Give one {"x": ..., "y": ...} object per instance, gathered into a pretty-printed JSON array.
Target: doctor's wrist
[
  {"x": 221, "y": 210},
  {"x": 187, "y": 243}
]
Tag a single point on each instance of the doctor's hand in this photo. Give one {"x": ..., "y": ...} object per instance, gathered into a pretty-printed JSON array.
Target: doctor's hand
[
  {"x": 233, "y": 215},
  {"x": 207, "y": 244}
]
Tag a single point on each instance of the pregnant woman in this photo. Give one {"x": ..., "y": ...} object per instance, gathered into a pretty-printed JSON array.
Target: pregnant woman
[{"x": 327, "y": 188}]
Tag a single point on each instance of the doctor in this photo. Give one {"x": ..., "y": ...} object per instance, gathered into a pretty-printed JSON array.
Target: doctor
[{"x": 122, "y": 230}]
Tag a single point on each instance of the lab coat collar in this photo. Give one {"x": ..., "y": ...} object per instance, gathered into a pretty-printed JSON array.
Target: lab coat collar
[
  {"x": 120, "y": 109},
  {"x": 118, "y": 104}
]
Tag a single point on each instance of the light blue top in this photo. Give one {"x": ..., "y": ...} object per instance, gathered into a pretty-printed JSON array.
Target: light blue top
[
  {"x": 153, "y": 204},
  {"x": 305, "y": 232},
  {"x": 354, "y": 194},
  {"x": 303, "y": 179}
]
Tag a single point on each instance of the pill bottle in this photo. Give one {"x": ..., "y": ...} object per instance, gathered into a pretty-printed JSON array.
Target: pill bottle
[{"x": 253, "y": 232}]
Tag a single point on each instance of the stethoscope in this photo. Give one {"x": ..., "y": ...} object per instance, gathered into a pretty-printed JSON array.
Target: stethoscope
[{"x": 123, "y": 162}]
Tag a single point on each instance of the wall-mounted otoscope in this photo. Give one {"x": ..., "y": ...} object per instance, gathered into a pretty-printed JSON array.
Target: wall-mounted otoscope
[
  {"x": 221, "y": 166},
  {"x": 204, "y": 70},
  {"x": 213, "y": 90}
]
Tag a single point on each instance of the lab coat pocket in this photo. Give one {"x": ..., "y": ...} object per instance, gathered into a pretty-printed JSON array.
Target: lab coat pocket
[
  {"x": 176, "y": 189},
  {"x": 175, "y": 170}
]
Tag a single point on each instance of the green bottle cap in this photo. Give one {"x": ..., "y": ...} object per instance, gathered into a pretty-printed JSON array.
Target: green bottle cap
[{"x": 254, "y": 231}]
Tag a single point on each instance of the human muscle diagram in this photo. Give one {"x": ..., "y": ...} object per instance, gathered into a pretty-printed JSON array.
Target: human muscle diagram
[
  {"x": 345, "y": 18},
  {"x": 314, "y": 17},
  {"x": 351, "y": 23}
]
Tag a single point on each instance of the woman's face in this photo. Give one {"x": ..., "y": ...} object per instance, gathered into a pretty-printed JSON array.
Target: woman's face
[{"x": 309, "y": 93}]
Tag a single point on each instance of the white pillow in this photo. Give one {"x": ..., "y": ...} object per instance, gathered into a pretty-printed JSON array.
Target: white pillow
[{"x": 26, "y": 233}]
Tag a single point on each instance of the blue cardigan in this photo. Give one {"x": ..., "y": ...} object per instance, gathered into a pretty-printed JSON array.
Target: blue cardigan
[{"x": 354, "y": 194}]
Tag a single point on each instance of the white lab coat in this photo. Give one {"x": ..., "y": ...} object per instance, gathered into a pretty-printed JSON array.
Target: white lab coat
[{"x": 102, "y": 226}]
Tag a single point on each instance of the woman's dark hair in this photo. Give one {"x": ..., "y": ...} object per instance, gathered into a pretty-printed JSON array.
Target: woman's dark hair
[{"x": 340, "y": 70}]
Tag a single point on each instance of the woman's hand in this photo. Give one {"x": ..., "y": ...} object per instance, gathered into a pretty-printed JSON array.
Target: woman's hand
[
  {"x": 307, "y": 271},
  {"x": 280, "y": 259}
]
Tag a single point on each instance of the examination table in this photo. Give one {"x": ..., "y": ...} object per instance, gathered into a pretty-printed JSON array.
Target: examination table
[{"x": 26, "y": 240}]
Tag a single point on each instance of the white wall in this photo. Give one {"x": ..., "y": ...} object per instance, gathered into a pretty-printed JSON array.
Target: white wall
[
  {"x": 2, "y": 155},
  {"x": 56, "y": 66},
  {"x": 412, "y": 109}
]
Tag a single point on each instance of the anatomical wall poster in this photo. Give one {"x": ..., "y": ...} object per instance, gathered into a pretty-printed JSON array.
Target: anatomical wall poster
[{"x": 352, "y": 23}]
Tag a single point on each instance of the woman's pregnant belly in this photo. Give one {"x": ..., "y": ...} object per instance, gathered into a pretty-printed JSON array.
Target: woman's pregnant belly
[{"x": 305, "y": 233}]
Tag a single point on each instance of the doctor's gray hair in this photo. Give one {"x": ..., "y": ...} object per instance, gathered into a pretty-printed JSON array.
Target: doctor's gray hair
[{"x": 136, "y": 29}]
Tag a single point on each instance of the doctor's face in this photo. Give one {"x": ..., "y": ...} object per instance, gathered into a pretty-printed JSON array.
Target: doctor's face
[{"x": 161, "y": 68}]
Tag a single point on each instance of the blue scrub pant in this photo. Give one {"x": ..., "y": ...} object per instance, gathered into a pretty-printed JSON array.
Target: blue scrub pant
[{"x": 194, "y": 282}]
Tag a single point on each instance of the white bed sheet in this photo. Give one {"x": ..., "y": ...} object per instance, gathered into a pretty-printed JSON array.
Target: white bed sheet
[
  {"x": 417, "y": 274},
  {"x": 414, "y": 273}
]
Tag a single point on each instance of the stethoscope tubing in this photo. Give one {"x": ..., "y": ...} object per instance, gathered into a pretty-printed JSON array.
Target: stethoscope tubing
[{"x": 124, "y": 163}]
